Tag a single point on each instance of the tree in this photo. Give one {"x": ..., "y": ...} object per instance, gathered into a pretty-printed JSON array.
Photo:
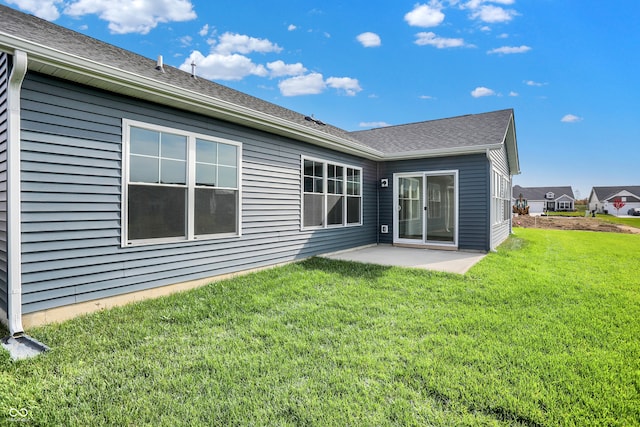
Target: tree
[{"x": 618, "y": 204}]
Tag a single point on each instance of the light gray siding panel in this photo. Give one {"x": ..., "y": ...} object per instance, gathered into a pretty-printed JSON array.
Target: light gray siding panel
[
  {"x": 72, "y": 200},
  {"x": 473, "y": 176},
  {"x": 4, "y": 77}
]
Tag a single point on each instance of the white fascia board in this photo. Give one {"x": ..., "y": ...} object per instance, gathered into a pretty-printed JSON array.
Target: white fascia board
[
  {"x": 442, "y": 152},
  {"x": 147, "y": 88}
]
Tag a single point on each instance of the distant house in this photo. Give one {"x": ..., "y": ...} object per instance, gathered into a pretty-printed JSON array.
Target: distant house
[
  {"x": 546, "y": 199},
  {"x": 601, "y": 199},
  {"x": 122, "y": 178}
]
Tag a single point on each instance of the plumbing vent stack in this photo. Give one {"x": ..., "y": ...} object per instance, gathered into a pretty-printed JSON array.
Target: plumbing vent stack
[
  {"x": 159, "y": 65},
  {"x": 193, "y": 69}
]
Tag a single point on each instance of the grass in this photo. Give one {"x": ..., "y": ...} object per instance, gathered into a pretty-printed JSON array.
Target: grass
[
  {"x": 542, "y": 333},
  {"x": 632, "y": 221}
]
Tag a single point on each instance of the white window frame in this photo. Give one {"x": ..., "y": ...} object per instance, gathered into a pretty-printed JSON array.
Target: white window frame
[
  {"x": 190, "y": 186},
  {"x": 500, "y": 198},
  {"x": 325, "y": 193}
]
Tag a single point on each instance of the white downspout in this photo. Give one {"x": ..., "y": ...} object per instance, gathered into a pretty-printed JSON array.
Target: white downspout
[{"x": 14, "y": 248}]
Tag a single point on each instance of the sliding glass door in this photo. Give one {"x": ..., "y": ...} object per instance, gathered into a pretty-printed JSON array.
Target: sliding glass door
[{"x": 426, "y": 208}]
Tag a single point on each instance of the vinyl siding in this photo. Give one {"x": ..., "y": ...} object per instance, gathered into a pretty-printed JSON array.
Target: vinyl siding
[
  {"x": 473, "y": 176},
  {"x": 71, "y": 201},
  {"x": 4, "y": 78},
  {"x": 500, "y": 232}
]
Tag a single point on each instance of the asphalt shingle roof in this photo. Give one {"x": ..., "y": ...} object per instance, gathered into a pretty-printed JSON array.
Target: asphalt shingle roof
[
  {"x": 463, "y": 131},
  {"x": 538, "y": 193},
  {"x": 605, "y": 193}
]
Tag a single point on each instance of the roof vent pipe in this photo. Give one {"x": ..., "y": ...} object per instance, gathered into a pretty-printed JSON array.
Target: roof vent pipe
[
  {"x": 193, "y": 69},
  {"x": 159, "y": 64}
]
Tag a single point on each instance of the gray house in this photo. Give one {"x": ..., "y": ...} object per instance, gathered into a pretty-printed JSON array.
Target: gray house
[
  {"x": 123, "y": 179},
  {"x": 543, "y": 199}
]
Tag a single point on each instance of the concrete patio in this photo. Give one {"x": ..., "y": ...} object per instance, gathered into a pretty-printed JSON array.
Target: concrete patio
[{"x": 429, "y": 259}]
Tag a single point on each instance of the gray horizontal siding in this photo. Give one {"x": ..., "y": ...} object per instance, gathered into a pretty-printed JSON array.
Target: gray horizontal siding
[
  {"x": 4, "y": 77},
  {"x": 473, "y": 185},
  {"x": 71, "y": 183}
]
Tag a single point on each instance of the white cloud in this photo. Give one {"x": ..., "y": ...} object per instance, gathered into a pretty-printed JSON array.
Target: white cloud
[
  {"x": 350, "y": 86},
  {"x": 291, "y": 27},
  {"x": 45, "y": 9},
  {"x": 310, "y": 84},
  {"x": 186, "y": 41},
  {"x": 482, "y": 91},
  {"x": 369, "y": 39},
  {"x": 493, "y": 14},
  {"x": 222, "y": 67},
  {"x": 279, "y": 69},
  {"x": 503, "y": 36},
  {"x": 430, "y": 39},
  {"x": 125, "y": 16},
  {"x": 204, "y": 30},
  {"x": 570, "y": 118},
  {"x": 426, "y": 97},
  {"x": 506, "y": 50},
  {"x": 532, "y": 83},
  {"x": 239, "y": 43},
  {"x": 425, "y": 15},
  {"x": 512, "y": 93},
  {"x": 373, "y": 124}
]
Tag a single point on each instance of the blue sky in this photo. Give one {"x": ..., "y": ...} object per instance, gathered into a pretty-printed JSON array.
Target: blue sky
[{"x": 570, "y": 69}]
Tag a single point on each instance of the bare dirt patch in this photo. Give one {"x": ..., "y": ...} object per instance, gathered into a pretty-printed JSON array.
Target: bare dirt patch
[{"x": 571, "y": 223}]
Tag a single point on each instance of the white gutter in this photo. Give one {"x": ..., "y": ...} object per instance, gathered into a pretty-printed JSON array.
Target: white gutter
[
  {"x": 14, "y": 248},
  {"x": 441, "y": 152}
]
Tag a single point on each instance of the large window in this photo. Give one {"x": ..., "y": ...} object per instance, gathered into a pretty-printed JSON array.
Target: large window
[
  {"x": 332, "y": 194},
  {"x": 179, "y": 185},
  {"x": 501, "y": 198}
]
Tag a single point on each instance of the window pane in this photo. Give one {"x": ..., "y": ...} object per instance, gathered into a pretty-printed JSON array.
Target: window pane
[
  {"x": 308, "y": 168},
  {"x": 317, "y": 185},
  {"x": 173, "y": 146},
  {"x": 156, "y": 212},
  {"x": 331, "y": 187},
  {"x": 308, "y": 185},
  {"x": 227, "y": 155},
  {"x": 317, "y": 169},
  {"x": 227, "y": 177},
  {"x": 334, "y": 210},
  {"x": 353, "y": 210},
  {"x": 143, "y": 169},
  {"x": 205, "y": 174},
  {"x": 173, "y": 172},
  {"x": 206, "y": 151},
  {"x": 216, "y": 211},
  {"x": 313, "y": 210},
  {"x": 143, "y": 141}
]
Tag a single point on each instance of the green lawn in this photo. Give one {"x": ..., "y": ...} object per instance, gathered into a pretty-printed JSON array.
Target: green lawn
[
  {"x": 632, "y": 221},
  {"x": 542, "y": 333}
]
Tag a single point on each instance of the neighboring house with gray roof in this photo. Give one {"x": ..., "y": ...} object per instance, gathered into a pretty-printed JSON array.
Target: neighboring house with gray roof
[
  {"x": 124, "y": 178},
  {"x": 601, "y": 199},
  {"x": 546, "y": 199}
]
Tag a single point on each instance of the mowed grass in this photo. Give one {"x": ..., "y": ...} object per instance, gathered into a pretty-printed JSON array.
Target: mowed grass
[
  {"x": 632, "y": 221},
  {"x": 542, "y": 333}
]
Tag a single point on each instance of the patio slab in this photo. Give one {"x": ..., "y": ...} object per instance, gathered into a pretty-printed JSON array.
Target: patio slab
[{"x": 430, "y": 259}]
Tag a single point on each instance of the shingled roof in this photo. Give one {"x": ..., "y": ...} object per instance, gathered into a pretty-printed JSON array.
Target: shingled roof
[
  {"x": 70, "y": 55},
  {"x": 463, "y": 131},
  {"x": 608, "y": 193},
  {"x": 539, "y": 193}
]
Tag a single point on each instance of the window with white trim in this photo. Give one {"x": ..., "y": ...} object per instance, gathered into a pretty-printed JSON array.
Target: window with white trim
[
  {"x": 500, "y": 197},
  {"x": 331, "y": 194},
  {"x": 178, "y": 185}
]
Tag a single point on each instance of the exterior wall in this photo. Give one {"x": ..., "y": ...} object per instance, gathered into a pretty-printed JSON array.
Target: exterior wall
[
  {"x": 473, "y": 183},
  {"x": 71, "y": 183},
  {"x": 500, "y": 231},
  {"x": 4, "y": 77}
]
